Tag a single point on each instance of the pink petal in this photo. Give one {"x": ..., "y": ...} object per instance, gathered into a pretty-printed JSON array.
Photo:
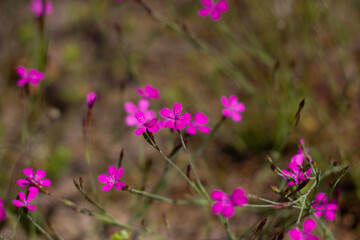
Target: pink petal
[
  {"x": 224, "y": 101},
  {"x": 330, "y": 211},
  {"x": 119, "y": 185},
  {"x": 191, "y": 130},
  {"x": 130, "y": 120},
  {"x": 112, "y": 171},
  {"x": 217, "y": 208},
  {"x": 185, "y": 118},
  {"x": 226, "y": 112},
  {"x": 309, "y": 225},
  {"x": 107, "y": 187},
  {"x": 44, "y": 182},
  {"x": 17, "y": 203},
  {"x": 22, "y": 82},
  {"x": 21, "y": 71},
  {"x": 119, "y": 173},
  {"x": 312, "y": 237},
  {"x": 140, "y": 131},
  {"x": 130, "y": 107},
  {"x": 177, "y": 108},
  {"x": 321, "y": 197},
  {"x": 169, "y": 124},
  {"x": 151, "y": 91},
  {"x": 39, "y": 174},
  {"x": 218, "y": 195},
  {"x": 140, "y": 92},
  {"x": 166, "y": 113},
  {"x": 200, "y": 118},
  {"x": 154, "y": 128},
  {"x": 33, "y": 191},
  {"x": 143, "y": 105},
  {"x": 232, "y": 100},
  {"x": 318, "y": 212},
  {"x": 204, "y": 12},
  {"x": 28, "y": 172},
  {"x": 207, "y": 3},
  {"x": 236, "y": 117},
  {"x": 204, "y": 129},
  {"x": 295, "y": 234},
  {"x": 140, "y": 117},
  {"x": 22, "y": 182},
  {"x": 152, "y": 122},
  {"x": 31, "y": 207},
  {"x": 240, "y": 107},
  {"x": 238, "y": 197},
  {"x": 179, "y": 125},
  {"x": 150, "y": 114},
  {"x": 228, "y": 211},
  {"x": 215, "y": 15},
  {"x": 222, "y": 6},
  {"x": 22, "y": 196},
  {"x": 103, "y": 178}
]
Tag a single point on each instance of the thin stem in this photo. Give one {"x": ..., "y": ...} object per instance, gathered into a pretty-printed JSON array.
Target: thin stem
[
  {"x": 39, "y": 227},
  {"x": 301, "y": 211},
  {"x": 15, "y": 227}
]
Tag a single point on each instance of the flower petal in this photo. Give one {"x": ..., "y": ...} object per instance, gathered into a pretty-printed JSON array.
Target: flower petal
[
  {"x": 203, "y": 12},
  {"x": 218, "y": 195},
  {"x": 22, "y": 182},
  {"x": 166, "y": 113},
  {"x": 224, "y": 101},
  {"x": 330, "y": 211},
  {"x": 107, "y": 187},
  {"x": 240, "y": 107},
  {"x": 200, "y": 118},
  {"x": 130, "y": 120},
  {"x": 112, "y": 171},
  {"x": 179, "y": 125},
  {"x": 228, "y": 211},
  {"x": 21, "y": 71},
  {"x": 169, "y": 124},
  {"x": 309, "y": 225},
  {"x": 17, "y": 203},
  {"x": 140, "y": 117},
  {"x": 238, "y": 197},
  {"x": 222, "y": 6},
  {"x": 119, "y": 185},
  {"x": 215, "y": 15},
  {"x": 22, "y": 82},
  {"x": 154, "y": 128},
  {"x": 28, "y": 172},
  {"x": 39, "y": 174},
  {"x": 191, "y": 130},
  {"x": 140, "y": 131},
  {"x": 103, "y": 178},
  {"x": 130, "y": 107},
  {"x": 177, "y": 108},
  {"x": 22, "y": 196},
  {"x": 119, "y": 173},
  {"x": 217, "y": 208},
  {"x": 204, "y": 129},
  {"x": 236, "y": 117},
  {"x": 143, "y": 105},
  {"x": 31, "y": 207},
  {"x": 44, "y": 182},
  {"x": 207, "y": 3},
  {"x": 295, "y": 234},
  {"x": 33, "y": 191}
]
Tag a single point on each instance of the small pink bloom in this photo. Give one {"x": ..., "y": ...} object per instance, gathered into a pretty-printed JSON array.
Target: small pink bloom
[
  {"x": 23, "y": 202},
  {"x": 225, "y": 204},
  {"x": 199, "y": 122},
  {"x": 322, "y": 206},
  {"x": 91, "y": 99},
  {"x": 232, "y": 108},
  {"x": 148, "y": 92},
  {"x": 149, "y": 125},
  {"x": 2, "y": 211},
  {"x": 131, "y": 109},
  {"x": 36, "y": 178},
  {"x": 39, "y": 9},
  {"x": 174, "y": 119},
  {"x": 309, "y": 226},
  {"x": 213, "y": 9},
  {"x": 32, "y": 76},
  {"x": 112, "y": 179}
]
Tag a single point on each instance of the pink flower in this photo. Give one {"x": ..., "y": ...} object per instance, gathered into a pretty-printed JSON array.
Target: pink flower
[
  {"x": 2, "y": 211},
  {"x": 37, "y": 178},
  {"x": 213, "y": 9},
  {"x": 131, "y": 109},
  {"x": 149, "y": 125},
  {"x": 309, "y": 226},
  {"x": 112, "y": 179},
  {"x": 199, "y": 121},
  {"x": 174, "y": 119},
  {"x": 232, "y": 108},
  {"x": 322, "y": 206},
  {"x": 39, "y": 9},
  {"x": 149, "y": 92},
  {"x": 91, "y": 99},
  {"x": 23, "y": 202},
  {"x": 32, "y": 76},
  {"x": 225, "y": 204}
]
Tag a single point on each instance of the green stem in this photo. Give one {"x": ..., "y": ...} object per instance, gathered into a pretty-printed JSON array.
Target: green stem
[{"x": 39, "y": 227}]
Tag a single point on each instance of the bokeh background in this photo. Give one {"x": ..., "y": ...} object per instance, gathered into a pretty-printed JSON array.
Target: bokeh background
[{"x": 271, "y": 54}]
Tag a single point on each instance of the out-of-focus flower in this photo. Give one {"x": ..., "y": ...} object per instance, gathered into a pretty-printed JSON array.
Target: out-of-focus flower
[
  {"x": 309, "y": 226},
  {"x": 131, "y": 109},
  {"x": 23, "y": 202},
  {"x": 39, "y": 174},
  {"x": 149, "y": 92},
  {"x": 91, "y": 99},
  {"x": 39, "y": 9},
  {"x": 225, "y": 204},
  {"x": 199, "y": 122},
  {"x": 174, "y": 119},
  {"x": 213, "y": 9},
  {"x": 232, "y": 108},
  {"x": 112, "y": 179},
  {"x": 149, "y": 125},
  {"x": 32, "y": 76},
  {"x": 2, "y": 211},
  {"x": 322, "y": 206}
]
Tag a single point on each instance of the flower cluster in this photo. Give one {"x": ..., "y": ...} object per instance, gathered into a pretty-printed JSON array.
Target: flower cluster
[
  {"x": 225, "y": 204},
  {"x": 39, "y": 9},
  {"x": 32, "y": 76},
  {"x": 112, "y": 179},
  {"x": 213, "y": 9},
  {"x": 322, "y": 206},
  {"x": 309, "y": 226}
]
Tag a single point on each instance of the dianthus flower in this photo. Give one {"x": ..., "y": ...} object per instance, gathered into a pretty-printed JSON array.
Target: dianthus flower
[
  {"x": 131, "y": 109},
  {"x": 309, "y": 226},
  {"x": 232, "y": 108},
  {"x": 23, "y": 202},
  {"x": 213, "y": 9},
  {"x": 112, "y": 179},
  {"x": 36, "y": 178},
  {"x": 149, "y": 125},
  {"x": 39, "y": 9},
  {"x": 174, "y": 119},
  {"x": 2, "y": 211},
  {"x": 91, "y": 98},
  {"x": 32, "y": 76},
  {"x": 322, "y": 206},
  {"x": 148, "y": 92},
  {"x": 199, "y": 122},
  {"x": 225, "y": 203}
]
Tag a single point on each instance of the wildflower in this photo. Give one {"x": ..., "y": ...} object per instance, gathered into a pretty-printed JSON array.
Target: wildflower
[
  {"x": 91, "y": 99},
  {"x": 213, "y": 9},
  {"x": 174, "y": 119},
  {"x": 131, "y": 109},
  {"x": 23, "y": 202},
  {"x": 149, "y": 92},
  {"x": 30, "y": 177},
  {"x": 232, "y": 108},
  {"x": 2, "y": 211},
  {"x": 32, "y": 76},
  {"x": 309, "y": 226},
  {"x": 225, "y": 204},
  {"x": 39, "y": 9},
  {"x": 149, "y": 125},
  {"x": 112, "y": 179},
  {"x": 322, "y": 206},
  {"x": 199, "y": 122}
]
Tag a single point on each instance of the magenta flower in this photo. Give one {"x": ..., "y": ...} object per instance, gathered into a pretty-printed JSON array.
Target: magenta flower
[
  {"x": 149, "y": 125},
  {"x": 2, "y": 211},
  {"x": 112, "y": 179},
  {"x": 149, "y": 92},
  {"x": 39, "y": 9},
  {"x": 23, "y": 202},
  {"x": 232, "y": 108},
  {"x": 32, "y": 76},
  {"x": 91, "y": 99},
  {"x": 36, "y": 178},
  {"x": 322, "y": 206},
  {"x": 309, "y": 226},
  {"x": 131, "y": 109},
  {"x": 174, "y": 119},
  {"x": 213, "y": 9},
  {"x": 199, "y": 122},
  {"x": 225, "y": 204}
]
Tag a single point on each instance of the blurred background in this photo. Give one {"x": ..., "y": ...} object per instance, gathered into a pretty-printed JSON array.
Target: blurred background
[{"x": 271, "y": 54}]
